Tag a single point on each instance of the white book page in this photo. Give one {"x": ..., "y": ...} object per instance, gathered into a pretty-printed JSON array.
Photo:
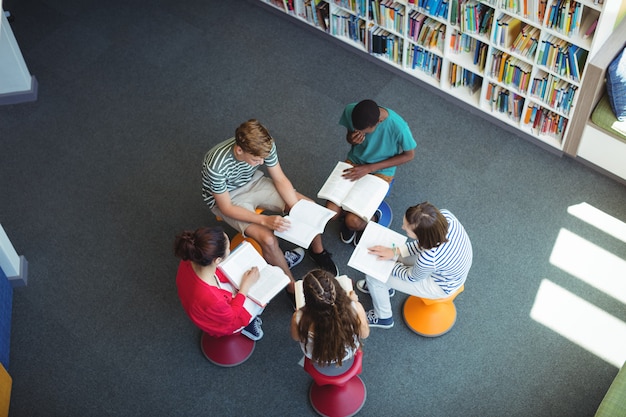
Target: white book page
[
  {"x": 244, "y": 257},
  {"x": 308, "y": 219},
  {"x": 375, "y": 234},
  {"x": 241, "y": 260},
  {"x": 336, "y": 187},
  {"x": 366, "y": 195},
  {"x": 272, "y": 281}
]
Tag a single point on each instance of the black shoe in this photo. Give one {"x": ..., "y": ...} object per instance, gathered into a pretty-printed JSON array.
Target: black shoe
[{"x": 324, "y": 261}]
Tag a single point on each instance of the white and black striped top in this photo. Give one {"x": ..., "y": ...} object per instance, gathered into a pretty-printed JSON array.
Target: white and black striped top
[
  {"x": 222, "y": 172},
  {"x": 448, "y": 264}
]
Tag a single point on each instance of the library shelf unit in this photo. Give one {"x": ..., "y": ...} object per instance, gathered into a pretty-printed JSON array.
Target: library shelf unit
[{"x": 520, "y": 62}]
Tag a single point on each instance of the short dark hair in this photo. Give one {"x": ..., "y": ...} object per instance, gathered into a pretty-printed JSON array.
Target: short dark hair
[
  {"x": 428, "y": 224},
  {"x": 365, "y": 114}
]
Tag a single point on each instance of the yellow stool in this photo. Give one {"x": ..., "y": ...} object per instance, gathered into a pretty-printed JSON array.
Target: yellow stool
[
  {"x": 428, "y": 317},
  {"x": 235, "y": 241}
]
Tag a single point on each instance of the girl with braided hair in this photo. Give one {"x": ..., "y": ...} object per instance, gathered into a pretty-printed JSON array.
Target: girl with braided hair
[{"x": 330, "y": 325}]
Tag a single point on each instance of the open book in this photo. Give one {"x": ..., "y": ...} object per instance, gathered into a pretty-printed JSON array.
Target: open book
[
  {"x": 308, "y": 219},
  {"x": 244, "y": 257},
  {"x": 373, "y": 235},
  {"x": 361, "y": 197},
  {"x": 344, "y": 281}
]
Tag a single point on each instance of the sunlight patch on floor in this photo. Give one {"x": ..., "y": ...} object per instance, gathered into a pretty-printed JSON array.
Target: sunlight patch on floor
[
  {"x": 590, "y": 263},
  {"x": 580, "y": 322}
]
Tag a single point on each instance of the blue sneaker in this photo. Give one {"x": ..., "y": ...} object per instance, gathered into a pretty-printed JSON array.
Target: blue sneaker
[
  {"x": 362, "y": 286},
  {"x": 374, "y": 321},
  {"x": 294, "y": 257},
  {"x": 253, "y": 330}
]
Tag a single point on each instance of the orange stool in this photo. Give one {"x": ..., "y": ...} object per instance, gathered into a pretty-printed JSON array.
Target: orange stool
[
  {"x": 227, "y": 351},
  {"x": 235, "y": 241},
  {"x": 239, "y": 238},
  {"x": 428, "y": 317},
  {"x": 337, "y": 396}
]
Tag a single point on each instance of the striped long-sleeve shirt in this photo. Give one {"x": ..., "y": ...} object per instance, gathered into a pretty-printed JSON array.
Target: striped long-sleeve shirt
[
  {"x": 448, "y": 264},
  {"x": 222, "y": 172}
]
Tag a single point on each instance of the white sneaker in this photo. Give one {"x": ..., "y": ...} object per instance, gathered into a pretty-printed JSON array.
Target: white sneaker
[
  {"x": 362, "y": 286},
  {"x": 294, "y": 257}
]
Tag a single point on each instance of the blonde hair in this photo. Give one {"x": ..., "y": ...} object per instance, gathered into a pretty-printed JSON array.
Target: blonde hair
[{"x": 254, "y": 138}]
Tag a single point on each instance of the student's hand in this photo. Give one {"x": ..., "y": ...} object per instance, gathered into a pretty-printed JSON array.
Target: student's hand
[
  {"x": 352, "y": 295},
  {"x": 278, "y": 223},
  {"x": 250, "y": 277},
  {"x": 355, "y": 172},
  {"x": 356, "y": 137},
  {"x": 382, "y": 253}
]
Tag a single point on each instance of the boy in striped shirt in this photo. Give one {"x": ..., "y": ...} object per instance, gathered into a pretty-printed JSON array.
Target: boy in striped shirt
[{"x": 233, "y": 187}]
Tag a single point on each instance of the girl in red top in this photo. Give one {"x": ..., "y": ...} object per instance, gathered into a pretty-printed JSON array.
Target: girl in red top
[{"x": 210, "y": 303}]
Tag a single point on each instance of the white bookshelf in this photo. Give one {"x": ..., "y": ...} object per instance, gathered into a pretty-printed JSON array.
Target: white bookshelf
[
  {"x": 16, "y": 83},
  {"x": 504, "y": 82}
]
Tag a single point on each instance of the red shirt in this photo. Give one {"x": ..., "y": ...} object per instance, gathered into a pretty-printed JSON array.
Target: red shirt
[{"x": 214, "y": 310}]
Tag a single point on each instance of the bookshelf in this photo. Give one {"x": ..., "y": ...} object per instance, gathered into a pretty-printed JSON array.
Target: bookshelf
[{"x": 518, "y": 61}]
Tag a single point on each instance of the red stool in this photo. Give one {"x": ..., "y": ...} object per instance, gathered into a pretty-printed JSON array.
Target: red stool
[
  {"x": 337, "y": 396},
  {"x": 428, "y": 317},
  {"x": 227, "y": 351}
]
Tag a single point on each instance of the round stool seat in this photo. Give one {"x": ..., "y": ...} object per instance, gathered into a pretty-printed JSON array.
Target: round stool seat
[
  {"x": 428, "y": 317},
  {"x": 227, "y": 351},
  {"x": 239, "y": 238},
  {"x": 337, "y": 396},
  {"x": 385, "y": 213}
]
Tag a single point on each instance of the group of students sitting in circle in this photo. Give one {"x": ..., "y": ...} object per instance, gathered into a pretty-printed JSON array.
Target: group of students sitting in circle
[{"x": 332, "y": 323}]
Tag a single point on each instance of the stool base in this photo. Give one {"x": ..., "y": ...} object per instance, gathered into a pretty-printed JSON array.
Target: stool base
[
  {"x": 338, "y": 400},
  {"x": 227, "y": 351},
  {"x": 429, "y": 320}
]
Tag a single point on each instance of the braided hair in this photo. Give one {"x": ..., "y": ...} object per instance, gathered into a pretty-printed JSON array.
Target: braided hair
[{"x": 329, "y": 314}]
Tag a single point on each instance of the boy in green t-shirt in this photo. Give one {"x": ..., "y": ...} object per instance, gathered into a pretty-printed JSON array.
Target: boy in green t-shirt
[{"x": 380, "y": 140}]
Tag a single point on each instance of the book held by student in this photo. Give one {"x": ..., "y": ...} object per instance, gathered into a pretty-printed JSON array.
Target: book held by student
[
  {"x": 361, "y": 197},
  {"x": 307, "y": 220},
  {"x": 272, "y": 279},
  {"x": 344, "y": 281},
  {"x": 373, "y": 235}
]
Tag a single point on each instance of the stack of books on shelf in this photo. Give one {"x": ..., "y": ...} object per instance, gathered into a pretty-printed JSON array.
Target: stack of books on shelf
[
  {"x": 461, "y": 77},
  {"x": 553, "y": 91},
  {"x": 429, "y": 33},
  {"x": 526, "y": 42},
  {"x": 389, "y": 14},
  {"x": 348, "y": 26},
  {"x": 504, "y": 101},
  {"x": 385, "y": 44},
  {"x": 545, "y": 122},
  {"x": 564, "y": 16},
  {"x": 562, "y": 57},
  {"x": 425, "y": 61},
  {"x": 461, "y": 42},
  {"x": 357, "y": 6},
  {"x": 475, "y": 17},
  {"x": 506, "y": 30}
]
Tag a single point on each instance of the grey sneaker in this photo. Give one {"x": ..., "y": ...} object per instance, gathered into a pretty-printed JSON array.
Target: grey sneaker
[
  {"x": 253, "y": 330},
  {"x": 294, "y": 257},
  {"x": 362, "y": 286},
  {"x": 374, "y": 321}
]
